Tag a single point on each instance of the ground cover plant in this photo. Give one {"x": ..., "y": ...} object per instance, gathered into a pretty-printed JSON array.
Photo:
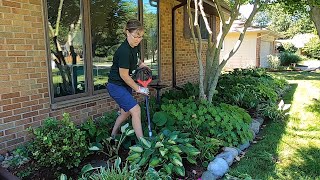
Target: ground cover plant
[
  {"x": 288, "y": 149},
  {"x": 187, "y": 134}
]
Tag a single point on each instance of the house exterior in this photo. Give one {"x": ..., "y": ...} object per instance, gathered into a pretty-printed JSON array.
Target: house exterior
[
  {"x": 55, "y": 60},
  {"x": 257, "y": 44}
]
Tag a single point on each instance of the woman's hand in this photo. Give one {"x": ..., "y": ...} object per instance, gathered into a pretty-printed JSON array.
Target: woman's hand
[{"x": 143, "y": 90}]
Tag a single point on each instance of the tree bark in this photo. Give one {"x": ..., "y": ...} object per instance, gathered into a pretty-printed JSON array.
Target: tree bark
[{"x": 315, "y": 16}]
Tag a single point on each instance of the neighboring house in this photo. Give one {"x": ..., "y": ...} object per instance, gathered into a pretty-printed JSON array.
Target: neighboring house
[
  {"x": 257, "y": 44},
  {"x": 32, "y": 87}
]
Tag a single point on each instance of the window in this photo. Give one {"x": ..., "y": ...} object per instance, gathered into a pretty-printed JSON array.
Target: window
[
  {"x": 202, "y": 25},
  {"x": 83, "y": 35}
]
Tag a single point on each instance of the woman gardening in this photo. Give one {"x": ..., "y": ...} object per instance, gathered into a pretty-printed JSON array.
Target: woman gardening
[{"x": 121, "y": 84}]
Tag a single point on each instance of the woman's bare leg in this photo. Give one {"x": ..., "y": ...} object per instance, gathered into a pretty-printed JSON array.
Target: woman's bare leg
[
  {"x": 123, "y": 117},
  {"x": 136, "y": 120}
]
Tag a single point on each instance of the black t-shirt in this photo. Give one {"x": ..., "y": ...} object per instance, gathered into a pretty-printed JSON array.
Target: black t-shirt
[{"x": 125, "y": 57}]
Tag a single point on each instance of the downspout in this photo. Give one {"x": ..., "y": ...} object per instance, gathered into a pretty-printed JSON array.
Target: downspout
[{"x": 184, "y": 2}]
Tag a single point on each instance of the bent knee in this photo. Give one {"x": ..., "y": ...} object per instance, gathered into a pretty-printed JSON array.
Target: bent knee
[{"x": 135, "y": 109}]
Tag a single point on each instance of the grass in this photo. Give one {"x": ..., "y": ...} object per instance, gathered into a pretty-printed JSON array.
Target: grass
[{"x": 289, "y": 149}]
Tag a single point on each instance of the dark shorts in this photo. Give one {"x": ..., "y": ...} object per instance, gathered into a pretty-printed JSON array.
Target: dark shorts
[{"x": 122, "y": 95}]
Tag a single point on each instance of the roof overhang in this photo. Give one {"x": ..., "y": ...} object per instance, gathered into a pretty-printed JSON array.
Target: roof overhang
[{"x": 210, "y": 8}]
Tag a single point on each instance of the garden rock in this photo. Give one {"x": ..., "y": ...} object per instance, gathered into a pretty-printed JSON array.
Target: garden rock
[
  {"x": 259, "y": 119},
  {"x": 253, "y": 133},
  {"x": 227, "y": 156},
  {"x": 255, "y": 126},
  {"x": 207, "y": 175},
  {"x": 235, "y": 152},
  {"x": 218, "y": 167},
  {"x": 244, "y": 146}
]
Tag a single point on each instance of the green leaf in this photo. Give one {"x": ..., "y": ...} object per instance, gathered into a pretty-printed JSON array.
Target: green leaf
[
  {"x": 124, "y": 127},
  {"x": 94, "y": 148},
  {"x": 63, "y": 177},
  {"x": 86, "y": 168}
]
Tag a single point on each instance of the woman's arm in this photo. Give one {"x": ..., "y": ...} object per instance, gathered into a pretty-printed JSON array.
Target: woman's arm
[{"x": 124, "y": 74}]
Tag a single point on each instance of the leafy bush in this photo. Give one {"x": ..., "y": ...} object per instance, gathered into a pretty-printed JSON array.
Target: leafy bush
[
  {"x": 228, "y": 123},
  {"x": 99, "y": 129},
  {"x": 165, "y": 150},
  {"x": 312, "y": 48},
  {"x": 273, "y": 61},
  {"x": 247, "y": 88},
  {"x": 289, "y": 47},
  {"x": 58, "y": 144},
  {"x": 287, "y": 58}
]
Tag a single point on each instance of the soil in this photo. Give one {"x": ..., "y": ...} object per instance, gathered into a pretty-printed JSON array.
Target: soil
[{"x": 192, "y": 171}]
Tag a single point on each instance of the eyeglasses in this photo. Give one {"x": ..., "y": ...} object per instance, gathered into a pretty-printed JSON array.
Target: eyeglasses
[{"x": 136, "y": 37}]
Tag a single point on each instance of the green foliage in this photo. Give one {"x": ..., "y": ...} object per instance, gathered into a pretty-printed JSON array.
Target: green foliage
[
  {"x": 58, "y": 143},
  {"x": 228, "y": 123},
  {"x": 247, "y": 88},
  {"x": 312, "y": 48},
  {"x": 271, "y": 111},
  {"x": 99, "y": 129},
  {"x": 208, "y": 148},
  {"x": 287, "y": 58},
  {"x": 109, "y": 148},
  {"x": 186, "y": 91},
  {"x": 165, "y": 151},
  {"x": 289, "y": 47}
]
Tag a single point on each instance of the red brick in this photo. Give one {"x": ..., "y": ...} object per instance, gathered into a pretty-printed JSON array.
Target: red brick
[
  {"x": 29, "y": 103},
  {"x": 36, "y": 107},
  {"x": 16, "y": 53},
  {"x": 22, "y": 110},
  {"x": 19, "y": 77},
  {"x": 6, "y": 47},
  {"x": 36, "y": 2},
  {"x": 16, "y": 141},
  {"x": 21, "y": 11},
  {"x": 18, "y": 65},
  {"x": 11, "y": 4},
  {"x": 15, "y": 41},
  {"x": 6, "y": 22},
  {"x": 22, "y": 35},
  {"x": 7, "y": 138},
  {"x": 23, "y": 122},
  {"x": 37, "y": 96},
  {"x": 12, "y": 106},
  {"x": 4, "y": 78},
  {"x": 30, "y": 114},
  {"x": 23, "y": 47},
  {"x": 11, "y": 118},
  {"x": 6, "y": 126},
  {"x": 10, "y": 95},
  {"x": 33, "y": 125},
  {"x": 40, "y": 117},
  {"x": 21, "y": 99}
]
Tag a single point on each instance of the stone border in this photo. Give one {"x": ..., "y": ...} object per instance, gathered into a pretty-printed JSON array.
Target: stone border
[{"x": 221, "y": 163}]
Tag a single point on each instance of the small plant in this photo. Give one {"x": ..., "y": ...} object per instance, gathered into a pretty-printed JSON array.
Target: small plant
[
  {"x": 273, "y": 61},
  {"x": 288, "y": 58},
  {"x": 208, "y": 148},
  {"x": 112, "y": 149},
  {"x": 165, "y": 151},
  {"x": 58, "y": 143}
]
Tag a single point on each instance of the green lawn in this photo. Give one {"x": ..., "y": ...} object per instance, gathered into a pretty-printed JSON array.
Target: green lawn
[{"x": 290, "y": 149}]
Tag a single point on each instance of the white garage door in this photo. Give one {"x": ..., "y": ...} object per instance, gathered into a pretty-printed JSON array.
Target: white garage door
[{"x": 265, "y": 50}]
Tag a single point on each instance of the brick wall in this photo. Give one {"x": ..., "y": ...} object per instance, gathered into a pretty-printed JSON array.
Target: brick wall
[{"x": 24, "y": 93}]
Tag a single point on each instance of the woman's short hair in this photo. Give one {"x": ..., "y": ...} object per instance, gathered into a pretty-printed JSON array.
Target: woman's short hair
[{"x": 133, "y": 25}]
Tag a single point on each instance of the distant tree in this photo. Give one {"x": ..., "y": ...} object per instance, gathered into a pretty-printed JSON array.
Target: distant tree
[{"x": 309, "y": 7}]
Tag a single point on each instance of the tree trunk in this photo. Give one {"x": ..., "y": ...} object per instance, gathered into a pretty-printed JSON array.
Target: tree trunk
[{"x": 315, "y": 16}]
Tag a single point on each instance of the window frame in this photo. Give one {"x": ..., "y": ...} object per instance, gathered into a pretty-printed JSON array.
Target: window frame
[{"x": 90, "y": 94}]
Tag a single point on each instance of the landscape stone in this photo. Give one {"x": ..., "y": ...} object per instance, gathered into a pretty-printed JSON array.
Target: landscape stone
[{"x": 218, "y": 167}]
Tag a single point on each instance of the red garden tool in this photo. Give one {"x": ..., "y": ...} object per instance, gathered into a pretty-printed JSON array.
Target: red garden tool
[{"x": 144, "y": 77}]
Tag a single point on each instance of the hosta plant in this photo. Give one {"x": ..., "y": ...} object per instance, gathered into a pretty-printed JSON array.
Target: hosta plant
[{"x": 165, "y": 152}]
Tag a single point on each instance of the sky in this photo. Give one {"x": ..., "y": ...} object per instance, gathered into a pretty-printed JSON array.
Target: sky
[{"x": 245, "y": 10}]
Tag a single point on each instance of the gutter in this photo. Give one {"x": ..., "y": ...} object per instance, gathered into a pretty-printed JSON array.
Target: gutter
[{"x": 174, "y": 78}]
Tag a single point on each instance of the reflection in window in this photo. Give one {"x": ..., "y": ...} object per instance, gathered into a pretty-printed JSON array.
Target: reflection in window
[
  {"x": 108, "y": 18},
  {"x": 150, "y": 42},
  {"x": 66, "y": 47}
]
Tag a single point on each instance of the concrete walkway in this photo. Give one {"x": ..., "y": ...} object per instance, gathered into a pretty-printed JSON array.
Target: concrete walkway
[{"x": 310, "y": 65}]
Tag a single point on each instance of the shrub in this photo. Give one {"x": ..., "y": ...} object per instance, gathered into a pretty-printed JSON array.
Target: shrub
[
  {"x": 273, "y": 61},
  {"x": 312, "y": 48},
  {"x": 289, "y": 47},
  {"x": 58, "y": 144},
  {"x": 228, "y": 123},
  {"x": 287, "y": 58}
]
